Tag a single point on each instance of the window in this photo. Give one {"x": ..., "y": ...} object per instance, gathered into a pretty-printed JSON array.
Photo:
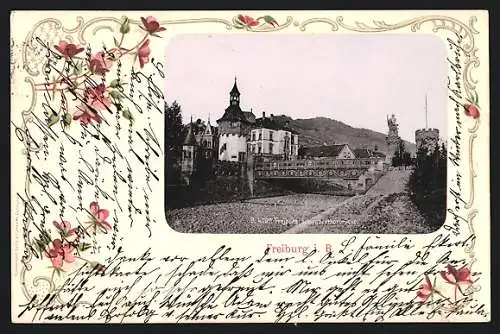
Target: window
[
  {"x": 253, "y": 136},
  {"x": 270, "y": 148},
  {"x": 204, "y": 143},
  {"x": 241, "y": 156},
  {"x": 259, "y": 148},
  {"x": 270, "y": 135},
  {"x": 293, "y": 139},
  {"x": 260, "y": 135}
]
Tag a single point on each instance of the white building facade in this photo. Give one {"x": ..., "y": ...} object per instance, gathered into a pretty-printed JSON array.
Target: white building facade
[
  {"x": 241, "y": 134},
  {"x": 272, "y": 141}
]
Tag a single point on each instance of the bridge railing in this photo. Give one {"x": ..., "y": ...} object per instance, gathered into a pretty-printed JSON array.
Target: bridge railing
[{"x": 316, "y": 164}]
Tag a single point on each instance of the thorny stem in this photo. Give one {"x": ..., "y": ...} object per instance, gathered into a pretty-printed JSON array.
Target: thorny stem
[{"x": 135, "y": 47}]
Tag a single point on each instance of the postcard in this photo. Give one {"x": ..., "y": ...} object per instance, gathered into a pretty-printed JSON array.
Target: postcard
[{"x": 250, "y": 166}]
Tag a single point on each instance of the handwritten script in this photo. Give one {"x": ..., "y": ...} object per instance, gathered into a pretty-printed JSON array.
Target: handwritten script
[{"x": 92, "y": 245}]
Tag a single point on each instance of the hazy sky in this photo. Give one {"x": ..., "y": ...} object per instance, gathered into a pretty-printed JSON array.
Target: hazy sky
[{"x": 355, "y": 79}]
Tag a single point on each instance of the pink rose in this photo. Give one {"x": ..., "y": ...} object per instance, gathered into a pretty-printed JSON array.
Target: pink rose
[
  {"x": 471, "y": 110},
  {"x": 68, "y": 50},
  {"x": 99, "y": 64},
  {"x": 151, "y": 24},
  {"x": 60, "y": 253},
  {"x": 100, "y": 216},
  {"x": 456, "y": 277},
  {"x": 86, "y": 116},
  {"x": 143, "y": 53},
  {"x": 248, "y": 20},
  {"x": 97, "y": 97},
  {"x": 426, "y": 290},
  {"x": 64, "y": 227}
]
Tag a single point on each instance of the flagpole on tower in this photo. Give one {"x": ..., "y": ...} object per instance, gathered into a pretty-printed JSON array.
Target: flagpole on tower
[{"x": 426, "y": 123}]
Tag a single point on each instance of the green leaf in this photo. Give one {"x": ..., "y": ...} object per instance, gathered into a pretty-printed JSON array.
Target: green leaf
[
  {"x": 66, "y": 119},
  {"x": 125, "y": 26},
  {"x": 115, "y": 94},
  {"x": 53, "y": 120},
  {"x": 476, "y": 98},
  {"x": 127, "y": 114},
  {"x": 115, "y": 40},
  {"x": 115, "y": 83},
  {"x": 84, "y": 246},
  {"x": 239, "y": 27}
]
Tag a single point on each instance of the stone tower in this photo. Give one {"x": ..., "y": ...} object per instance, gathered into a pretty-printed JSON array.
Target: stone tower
[
  {"x": 426, "y": 138},
  {"x": 233, "y": 129},
  {"x": 189, "y": 155},
  {"x": 393, "y": 140}
]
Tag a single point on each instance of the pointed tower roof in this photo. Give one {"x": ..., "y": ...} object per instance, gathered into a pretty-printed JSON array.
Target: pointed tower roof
[
  {"x": 233, "y": 112},
  {"x": 235, "y": 90},
  {"x": 208, "y": 128},
  {"x": 190, "y": 139}
]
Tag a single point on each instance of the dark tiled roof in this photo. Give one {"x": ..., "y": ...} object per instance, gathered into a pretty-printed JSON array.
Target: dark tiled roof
[
  {"x": 323, "y": 151},
  {"x": 363, "y": 153},
  {"x": 233, "y": 113},
  {"x": 249, "y": 116},
  {"x": 268, "y": 123},
  {"x": 190, "y": 138},
  {"x": 274, "y": 123}
]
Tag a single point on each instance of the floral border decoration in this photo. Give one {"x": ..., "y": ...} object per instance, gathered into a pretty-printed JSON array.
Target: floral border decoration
[{"x": 57, "y": 250}]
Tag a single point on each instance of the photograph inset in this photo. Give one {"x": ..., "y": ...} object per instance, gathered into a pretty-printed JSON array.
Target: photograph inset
[{"x": 305, "y": 134}]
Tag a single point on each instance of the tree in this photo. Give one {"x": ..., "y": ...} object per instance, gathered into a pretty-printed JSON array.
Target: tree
[
  {"x": 401, "y": 156},
  {"x": 427, "y": 184},
  {"x": 173, "y": 139}
]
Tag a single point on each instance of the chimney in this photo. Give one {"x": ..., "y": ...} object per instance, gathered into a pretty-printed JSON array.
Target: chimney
[
  {"x": 263, "y": 114},
  {"x": 272, "y": 116}
]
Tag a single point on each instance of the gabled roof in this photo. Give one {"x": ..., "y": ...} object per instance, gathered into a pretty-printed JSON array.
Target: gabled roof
[
  {"x": 324, "y": 151},
  {"x": 209, "y": 130}
]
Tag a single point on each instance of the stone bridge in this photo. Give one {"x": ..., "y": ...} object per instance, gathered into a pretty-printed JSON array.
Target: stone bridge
[
  {"x": 356, "y": 175},
  {"x": 348, "y": 169}
]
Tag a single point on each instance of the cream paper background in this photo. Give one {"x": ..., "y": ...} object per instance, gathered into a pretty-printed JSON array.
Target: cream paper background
[{"x": 93, "y": 27}]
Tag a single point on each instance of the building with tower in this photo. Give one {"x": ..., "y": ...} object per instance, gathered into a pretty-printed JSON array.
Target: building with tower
[
  {"x": 234, "y": 128},
  {"x": 189, "y": 154},
  {"x": 426, "y": 138},
  {"x": 199, "y": 149},
  {"x": 393, "y": 140}
]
